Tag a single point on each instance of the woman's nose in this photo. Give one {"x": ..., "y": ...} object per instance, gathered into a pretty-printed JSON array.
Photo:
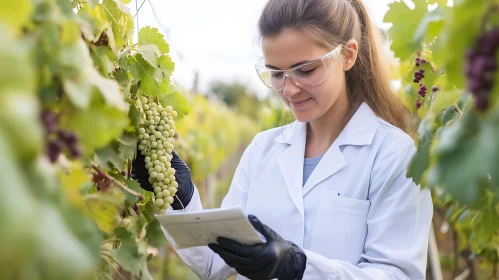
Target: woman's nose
[{"x": 290, "y": 88}]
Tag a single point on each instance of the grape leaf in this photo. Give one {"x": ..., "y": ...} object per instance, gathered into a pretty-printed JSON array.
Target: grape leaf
[
  {"x": 443, "y": 100},
  {"x": 109, "y": 157},
  {"x": 103, "y": 59},
  {"x": 420, "y": 161},
  {"x": 149, "y": 52},
  {"x": 74, "y": 59},
  {"x": 148, "y": 211},
  {"x": 155, "y": 236},
  {"x": 490, "y": 219},
  {"x": 151, "y": 35},
  {"x": 15, "y": 14},
  {"x": 460, "y": 29},
  {"x": 103, "y": 208},
  {"x": 16, "y": 71},
  {"x": 467, "y": 143},
  {"x": 108, "y": 88},
  {"x": 79, "y": 92},
  {"x": 72, "y": 181},
  {"x": 430, "y": 26},
  {"x": 127, "y": 146},
  {"x": 167, "y": 65},
  {"x": 134, "y": 115},
  {"x": 150, "y": 76},
  {"x": 178, "y": 102},
  {"x": 97, "y": 126},
  {"x": 405, "y": 22},
  {"x": 121, "y": 21},
  {"x": 127, "y": 254},
  {"x": 130, "y": 198}
]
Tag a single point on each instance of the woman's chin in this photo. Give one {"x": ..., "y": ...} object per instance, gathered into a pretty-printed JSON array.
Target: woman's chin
[{"x": 304, "y": 116}]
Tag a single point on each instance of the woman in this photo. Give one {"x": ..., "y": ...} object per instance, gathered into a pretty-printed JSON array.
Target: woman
[{"x": 330, "y": 189}]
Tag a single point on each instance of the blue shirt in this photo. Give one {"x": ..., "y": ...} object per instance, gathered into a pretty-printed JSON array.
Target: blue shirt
[{"x": 309, "y": 165}]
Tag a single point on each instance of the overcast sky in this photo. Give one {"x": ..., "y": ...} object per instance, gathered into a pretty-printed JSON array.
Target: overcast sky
[{"x": 215, "y": 37}]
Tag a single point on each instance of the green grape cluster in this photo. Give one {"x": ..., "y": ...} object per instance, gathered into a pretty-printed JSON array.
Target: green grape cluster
[{"x": 155, "y": 136}]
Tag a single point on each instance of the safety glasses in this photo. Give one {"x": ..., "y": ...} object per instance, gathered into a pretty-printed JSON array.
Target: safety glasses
[{"x": 309, "y": 74}]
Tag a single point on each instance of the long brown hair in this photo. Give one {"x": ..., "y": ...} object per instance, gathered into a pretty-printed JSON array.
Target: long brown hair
[{"x": 333, "y": 22}]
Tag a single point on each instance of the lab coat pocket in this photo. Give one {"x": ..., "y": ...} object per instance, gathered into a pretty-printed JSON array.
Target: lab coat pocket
[{"x": 340, "y": 227}]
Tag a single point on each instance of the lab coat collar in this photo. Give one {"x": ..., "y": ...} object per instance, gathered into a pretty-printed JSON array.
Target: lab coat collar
[{"x": 360, "y": 129}]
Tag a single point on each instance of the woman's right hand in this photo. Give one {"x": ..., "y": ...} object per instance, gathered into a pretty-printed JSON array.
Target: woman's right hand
[{"x": 185, "y": 188}]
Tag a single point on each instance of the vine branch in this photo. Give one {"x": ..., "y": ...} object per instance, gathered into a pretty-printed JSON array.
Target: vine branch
[{"x": 116, "y": 182}]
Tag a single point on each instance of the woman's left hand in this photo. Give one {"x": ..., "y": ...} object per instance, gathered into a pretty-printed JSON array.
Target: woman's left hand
[{"x": 277, "y": 258}]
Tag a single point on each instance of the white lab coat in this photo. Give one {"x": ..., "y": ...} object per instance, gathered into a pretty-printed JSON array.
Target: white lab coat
[{"x": 358, "y": 215}]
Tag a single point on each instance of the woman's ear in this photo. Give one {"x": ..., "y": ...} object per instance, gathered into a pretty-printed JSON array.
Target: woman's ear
[{"x": 350, "y": 54}]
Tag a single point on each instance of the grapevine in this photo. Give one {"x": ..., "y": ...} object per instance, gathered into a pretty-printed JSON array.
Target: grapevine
[
  {"x": 454, "y": 46},
  {"x": 156, "y": 144},
  {"x": 481, "y": 64}
]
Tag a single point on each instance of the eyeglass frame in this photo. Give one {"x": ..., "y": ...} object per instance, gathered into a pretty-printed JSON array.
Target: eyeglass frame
[{"x": 335, "y": 52}]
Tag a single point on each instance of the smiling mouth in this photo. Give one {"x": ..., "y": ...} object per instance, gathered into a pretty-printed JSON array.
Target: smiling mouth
[{"x": 300, "y": 102}]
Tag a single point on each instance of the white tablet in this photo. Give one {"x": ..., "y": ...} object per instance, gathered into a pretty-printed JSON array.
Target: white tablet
[{"x": 192, "y": 229}]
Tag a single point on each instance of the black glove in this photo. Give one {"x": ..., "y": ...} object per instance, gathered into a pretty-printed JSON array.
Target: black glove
[
  {"x": 185, "y": 188},
  {"x": 277, "y": 258}
]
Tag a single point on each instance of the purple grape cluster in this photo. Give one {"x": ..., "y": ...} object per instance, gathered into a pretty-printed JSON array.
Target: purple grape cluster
[
  {"x": 480, "y": 66},
  {"x": 418, "y": 77},
  {"x": 58, "y": 139}
]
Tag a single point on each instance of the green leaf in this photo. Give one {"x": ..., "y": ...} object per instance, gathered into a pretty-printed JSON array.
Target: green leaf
[
  {"x": 489, "y": 221},
  {"x": 103, "y": 59},
  {"x": 109, "y": 157},
  {"x": 443, "y": 100},
  {"x": 420, "y": 161},
  {"x": 128, "y": 146},
  {"x": 460, "y": 32},
  {"x": 134, "y": 115},
  {"x": 466, "y": 153},
  {"x": 149, "y": 52},
  {"x": 430, "y": 26},
  {"x": 103, "y": 208},
  {"x": 130, "y": 198},
  {"x": 15, "y": 14},
  {"x": 167, "y": 65},
  {"x": 97, "y": 126},
  {"x": 79, "y": 92},
  {"x": 148, "y": 211},
  {"x": 405, "y": 22},
  {"x": 127, "y": 254},
  {"x": 108, "y": 88},
  {"x": 150, "y": 77},
  {"x": 448, "y": 115},
  {"x": 151, "y": 35},
  {"x": 178, "y": 102},
  {"x": 155, "y": 235},
  {"x": 121, "y": 21},
  {"x": 16, "y": 71}
]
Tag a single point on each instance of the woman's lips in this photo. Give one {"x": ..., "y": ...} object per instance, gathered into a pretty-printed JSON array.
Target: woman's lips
[{"x": 300, "y": 103}]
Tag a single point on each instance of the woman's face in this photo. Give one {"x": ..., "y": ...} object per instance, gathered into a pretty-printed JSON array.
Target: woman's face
[{"x": 308, "y": 103}]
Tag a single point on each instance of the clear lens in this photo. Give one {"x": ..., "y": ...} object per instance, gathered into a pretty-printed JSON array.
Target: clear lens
[{"x": 307, "y": 75}]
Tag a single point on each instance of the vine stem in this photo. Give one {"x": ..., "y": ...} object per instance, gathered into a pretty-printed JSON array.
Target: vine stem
[{"x": 116, "y": 182}]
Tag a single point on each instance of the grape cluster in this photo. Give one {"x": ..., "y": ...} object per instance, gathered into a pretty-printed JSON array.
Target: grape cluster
[
  {"x": 418, "y": 79},
  {"x": 480, "y": 66},
  {"x": 156, "y": 144},
  {"x": 59, "y": 139}
]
